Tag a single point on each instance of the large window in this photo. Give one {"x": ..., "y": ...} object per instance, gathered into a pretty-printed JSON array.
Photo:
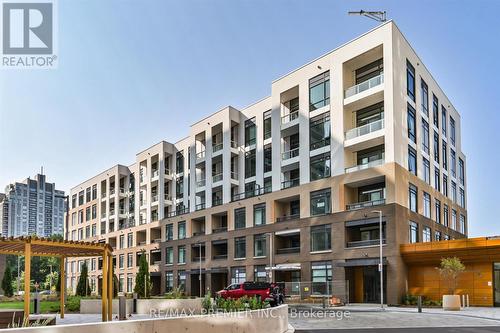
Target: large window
[
  {"x": 446, "y": 216},
  {"x": 462, "y": 197},
  {"x": 462, "y": 224},
  {"x": 461, "y": 171},
  {"x": 444, "y": 120},
  {"x": 320, "y": 166},
  {"x": 240, "y": 218},
  {"x": 321, "y": 237},
  {"x": 413, "y": 198},
  {"x": 426, "y": 234},
  {"x": 260, "y": 273},
  {"x": 453, "y": 191},
  {"x": 425, "y": 136},
  {"x": 169, "y": 281},
  {"x": 181, "y": 250},
  {"x": 181, "y": 230},
  {"x": 453, "y": 162},
  {"x": 319, "y": 131},
  {"x": 240, "y": 250},
  {"x": 238, "y": 275},
  {"x": 181, "y": 280},
  {"x": 169, "y": 232},
  {"x": 412, "y": 124},
  {"x": 424, "y": 94},
  {"x": 413, "y": 238},
  {"x": 321, "y": 275},
  {"x": 259, "y": 245},
  {"x": 267, "y": 124},
  {"x": 445, "y": 185},
  {"x": 250, "y": 163},
  {"x": 452, "y": 131},
  {"x": 412, "y": 160},
  {"x": 321, "y": 202},
  {"x": 437, "y": 205},
  {"x": 436, "y": 146},
  {"x": 435, "y": 110},
  {"x": 410, "y": 80},
  {"x": 268, "y": 158},
  {"x": 259, "y": 214},
  {"x": 179, "y": 187},
  {"x": 250, "y": 132},
  {"x": 444, "y": 147},
  {"x": 179, "y": 162},
  {"x": 427, "y": 171},
  {"x": 319, "y": 91},
  {"x": 169, "y": 255},
  {"x": 437, "y": 179},
  {"x": 454, "y": 219},
  {"x": 427, "y": 205}
]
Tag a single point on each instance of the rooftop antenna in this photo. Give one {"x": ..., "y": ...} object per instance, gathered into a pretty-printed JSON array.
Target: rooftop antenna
[{"x": 377, "y": 16}]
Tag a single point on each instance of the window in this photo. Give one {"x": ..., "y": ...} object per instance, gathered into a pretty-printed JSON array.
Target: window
[
  {"x": 240, "y": 218},
  {"x": 320, "y": 202},
  {"x": 424, "y": 96},
  {"x": 87, "y": 194},
  {"x": 321, "y": 238},
  {"x": 443, "y": 120},
  {"x": 427, "y": 171},
  {"x": 80, "y": 198},
  {"x": 435, "y": 110},
  {"x": 179, "y": 162},
  {"x": 426, "y": 234},
  {"x": 238, "y": 275},
  {"x": 169, "y": 281},
  {"x": 250, "y": 163},
  {"x": 181, "y": 251},
  {"x": 130, "y": 260},
  {"x": 260, "y": 273},
  {"x": 445, "y": 155},
  {"x": 169, "y": 232},
  {"x": 181, "y": 280},
  {"x": 250, "y": 132},
  {"x": 268, "y": 184},
  {"x": 321, "y": 274},
  {"x": 267, "y": 124},
  {"x": 320, "y": 166},
  {"x": 181, "y": 230},
  {"x": 413, "y": 232},
  {"x": 452, "y": 131},
  {"x": 121, "y": 261},
  {"x": 179, "y": 188},
  {"x": 130, "y": 239},
  {"x": 453, "y": 191},
  {"x": 425, "y": 136},
  {"x": 169, "y": 255},
  {"x": 427, "y": 205},
  {"x": 413, "y": 198},
  {"x": 94, "y": 230},
  {"x": 437, "y": 205},
  {"x": 445, "y": 185},
  {"x": 412, "y": 160},
  {"x": 319, "y": 131},
  {"x": 454, "y": 219},
  {"x": 259, "y": 214},
  {"x": 369, "y": 71},
  {"x": 410, "y": 80},
  {"x": 319, "y": 91},
  {"x": 122, "y": 242},
  {"x": 462, "y": 224},
  {"x": 412, "y": 124},
  {"x": 259, "y": 245},
  {"x": 461, "y": 171},
  {"x": 446, "y": 216},
  {"x": 240, "y": 250},
  {"x": 268, "y": 158},
  {"x": 436, "y": 147},
  {"x": 437, "y": 236},
  {"x": 462, "y": 197},
  {"x": 453, "y": 161},
  {"x": 94, "y": 212},
  {"x": 437, "y": 179},
  {"x": 87, "y": 214}
]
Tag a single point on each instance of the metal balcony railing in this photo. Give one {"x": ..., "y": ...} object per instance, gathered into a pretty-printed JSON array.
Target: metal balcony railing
[
  {"x": 111, "y": 191},
  {"x": 216, "y": 202},
  {"x": 217, "y": 178},
  {"x": 168, "y": 172},
  {"x": 288, "y": 218},
  {"x": 200, "y": 155},
  {"x": 365, "y": 204},
  {"x": 365, "y": 129},
  {"x": 217, "y": 146},
  {"x": 200, "y": 183},
  {"x": 290, "y": 154},
  {"x": 154, "y": 198},
  {"x": 219, "y": 230},
  {"x": 320, "y": 143},
  {"x": 288, "y": 250},
  {"x": 289, "y": 117},
  {"x": 369, "y": 242},
  {"x": 363, "y": 86},
  {"x": 200, "y": 206},
  {"x": 365, "y": 166},
  {"x": 290, "y": 183}
]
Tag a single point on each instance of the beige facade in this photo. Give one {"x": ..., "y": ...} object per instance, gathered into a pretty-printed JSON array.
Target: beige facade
[{"x": 309, "y": 164}]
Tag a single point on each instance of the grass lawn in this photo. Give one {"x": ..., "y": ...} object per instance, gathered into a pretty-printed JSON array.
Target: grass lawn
[{"x": 47, "y": 306}]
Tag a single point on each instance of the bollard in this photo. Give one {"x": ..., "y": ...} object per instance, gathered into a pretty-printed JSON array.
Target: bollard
[
  {"x": 419, "y": 303},
  {"x": 122, "y": 308},
  {"x": 467, "y": 300},
  {"x": 134, "y": 303},
  {"x": 36, "y": 303},
  {"x": 324, "y": 302}
]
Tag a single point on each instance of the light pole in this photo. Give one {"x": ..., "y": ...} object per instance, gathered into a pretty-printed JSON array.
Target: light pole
[
  {"x": 381, "y": 264},
  {"x": 199, "y": 275},
  {"x": 18, "y": 273},
  {"x": 270, "y": 234}
]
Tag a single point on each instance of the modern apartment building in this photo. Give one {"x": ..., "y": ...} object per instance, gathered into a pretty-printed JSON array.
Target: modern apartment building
[
  {"x": 32, "y": 207},
  {"x": 289, "y": 189}
]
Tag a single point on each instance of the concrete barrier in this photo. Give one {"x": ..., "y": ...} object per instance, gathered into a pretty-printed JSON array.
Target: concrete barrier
[
  {"x": 272, "y": 320},
  {"x": 145, "y": 306}
]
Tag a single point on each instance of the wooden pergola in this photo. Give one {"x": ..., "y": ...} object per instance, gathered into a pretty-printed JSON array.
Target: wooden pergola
[{"x": 42, "y": 247}]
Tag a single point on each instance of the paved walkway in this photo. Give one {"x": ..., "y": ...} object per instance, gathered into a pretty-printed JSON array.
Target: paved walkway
[{"x": 76, "y": 318}]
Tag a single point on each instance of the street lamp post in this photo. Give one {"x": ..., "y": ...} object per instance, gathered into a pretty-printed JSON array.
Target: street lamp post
[
  {"x": 199, "y": 277},
  {"x": 381, "y": 264},
  {"x": 270, "y": 234}
]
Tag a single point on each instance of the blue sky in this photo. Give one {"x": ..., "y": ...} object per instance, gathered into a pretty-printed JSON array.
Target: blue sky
[{"x": 132, "y": 73}]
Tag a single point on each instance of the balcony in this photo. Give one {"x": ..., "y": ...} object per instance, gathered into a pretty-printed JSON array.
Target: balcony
[
  {"x": 217, "y": 147},
  {"x": 365, "y": 129},
  {"x": 289, "y": 117},
  {"x": 154, "y": 198},
  {"x": 365, "y": 166},
  {"x": 123, "y": 191},
  {"x": 365, "y": 204},
  {"x": 248, "y": 194},
  {"x": 290, "y": 183},
  {"x": 111, "y": 192},
  {"x": 155, "y": 174},
  {"x": 234, "y": 144},
  {"x": 178, "y": 212},
  {"x": 216, "y": 202},
  {"x": 288, "y": 250},
  {"x": 200, "y": 183},
  {"x": 200, "y": 155},
  {"x": 364, "y": 86},
  {"x": 219, "y": 230},
  {"x": 234, "y": 175},
  {"x": 363, "y": 243},
  {"x": 288, "y": 218},
  {"x": 290, "y": 154},
  {"x": 319, "y": 144},
  {"x": 217, "y": 178},
  {"x": 199, "y": 233},
  {"x": 168, "y": 197},
  {"x": 200, "y": 206},
  {"x": 103, "y": 215}
]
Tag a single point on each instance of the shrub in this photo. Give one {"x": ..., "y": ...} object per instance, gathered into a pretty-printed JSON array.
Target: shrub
[
  {"x": 142, "y": 279},
  {"x": 176, "y": 293},
  {"x": 206, "y": 303},
  {"x": 83, "y": 288},
  {"x": 7, "y": 282},
  {"x": 73, "y": 303}
]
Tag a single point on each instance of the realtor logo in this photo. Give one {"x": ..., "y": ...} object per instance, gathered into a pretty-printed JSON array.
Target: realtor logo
[{"x": 28, "y": 34}]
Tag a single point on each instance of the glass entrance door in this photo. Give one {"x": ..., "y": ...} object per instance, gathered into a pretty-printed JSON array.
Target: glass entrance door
[{"x": 496, "y": 283}]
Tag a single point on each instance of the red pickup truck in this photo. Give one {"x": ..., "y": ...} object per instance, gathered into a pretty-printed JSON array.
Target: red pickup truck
[{"x": 262, "y": 290}]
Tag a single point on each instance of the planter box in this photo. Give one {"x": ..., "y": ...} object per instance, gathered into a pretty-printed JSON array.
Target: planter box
[
  {"x": 451, "y": 302},
  {"x": 147, "y": 306}
]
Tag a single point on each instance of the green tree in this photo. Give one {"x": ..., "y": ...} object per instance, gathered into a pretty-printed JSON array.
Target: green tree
[
  {"x": 58, "y": 283},
  {"x": 142, "y": 279},
  {"x": 7, "y": 282},
  {"x": 83, "y": 288},
  {"x": 449, "y": 270}
]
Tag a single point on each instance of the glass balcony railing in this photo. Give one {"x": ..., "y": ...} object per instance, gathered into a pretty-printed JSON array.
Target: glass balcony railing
[
  {"x": 369, "y": 242},
  {"x": 363, "y": 86},
  {"x": 234, "y": 175},
  {"x": 365, "y": 166},
  {"x": 200, "y": 155},
  {"x": 288, "y": 218},
  {"x": 234, "y": 144},
  {"x": 319, "y": 143},
  {"x": 216, "y": 202},
  {"x": 200, "y": 206},
  {"x": 154, "y": 198},
  {"x": 365, "y": 204},
  {"x": 200, "y": 183},
  {"x": 365, "y": 129},
  {"x": 217, "y": 146},
  {"x": 290, "y": 183},
  {"x": 155, "y": 173},
  {"x": 290, "y": 154},
  {"x": 168, "y": 197},
  {"x": 217, "y": 178},
  {"x": 289, "y": 117}
]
